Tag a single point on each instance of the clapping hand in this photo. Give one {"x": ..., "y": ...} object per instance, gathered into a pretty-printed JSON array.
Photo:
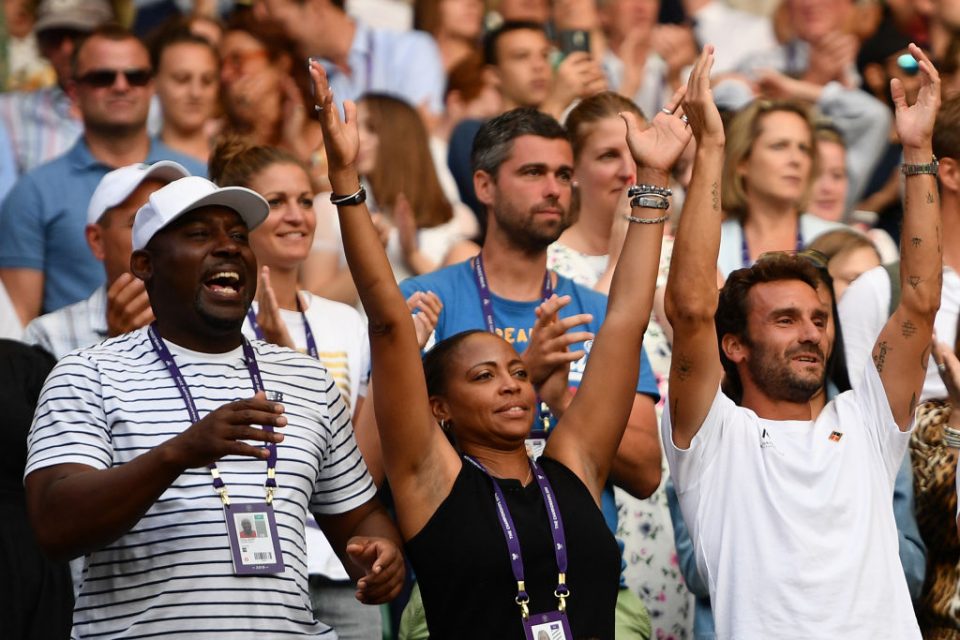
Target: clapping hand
[{"x": 914, "y": 122}]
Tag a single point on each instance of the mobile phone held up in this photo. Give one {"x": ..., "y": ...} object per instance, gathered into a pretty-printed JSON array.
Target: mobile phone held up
[{"x": 573, "y": 40}]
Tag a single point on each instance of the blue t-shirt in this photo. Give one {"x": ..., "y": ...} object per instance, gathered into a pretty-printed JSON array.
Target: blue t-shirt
[
  {"x": 43, "y": 218},
  {"x": 457, "y": 289}
]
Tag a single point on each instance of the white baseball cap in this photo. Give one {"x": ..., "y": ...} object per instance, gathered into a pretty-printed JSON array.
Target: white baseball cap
[
  {"x": 116, "y": 186},
  {"x": 187, "y": 194}
]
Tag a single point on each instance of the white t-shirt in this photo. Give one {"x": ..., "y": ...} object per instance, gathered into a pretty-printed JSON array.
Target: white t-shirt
[
  {"x": 172, "y": 574},
  {"x": 792, "y": 521},
  {"x": 344, "y": 349},
  {"x": 864, "y": 309},
  {"x": 731, "y": 239}
]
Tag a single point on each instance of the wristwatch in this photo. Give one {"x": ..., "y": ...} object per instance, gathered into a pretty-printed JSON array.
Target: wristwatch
[{"x": 918, "y": 169}]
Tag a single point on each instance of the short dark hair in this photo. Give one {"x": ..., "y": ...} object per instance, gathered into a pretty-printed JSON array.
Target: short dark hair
[
  {"x": 491, "y": 38},
  {"x": 733, "y": 308},
  {"x": 494, "y": 140},
  {"x": 436, "y": 362},
  {"x": 172, "y": 34},
  {"x": 109, "y": 31},
  {"x": 946, "y": 131}
]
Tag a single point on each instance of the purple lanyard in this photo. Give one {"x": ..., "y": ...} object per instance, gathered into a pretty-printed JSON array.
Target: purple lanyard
[
  {"x": 513, "y": 542},
  {"x": 486, "y": 300},
  {"x": 311, "y": 343},
  {"x": 249, "y": 359},
  {"x": 745, "y": 251},
  {"x": 486, "y": 304}
]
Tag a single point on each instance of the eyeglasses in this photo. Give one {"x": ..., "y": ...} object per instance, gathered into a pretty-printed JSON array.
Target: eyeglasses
[{"x": 103, "y": 78}]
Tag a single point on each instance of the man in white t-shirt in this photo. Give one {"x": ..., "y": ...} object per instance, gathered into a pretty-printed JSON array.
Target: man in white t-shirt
[
  {"x": 790, "y": 508},
  {"x": 147, "y": 451}
]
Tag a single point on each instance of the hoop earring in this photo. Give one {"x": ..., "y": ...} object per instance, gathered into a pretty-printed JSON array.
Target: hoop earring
[{"x": 445, "y": 425}]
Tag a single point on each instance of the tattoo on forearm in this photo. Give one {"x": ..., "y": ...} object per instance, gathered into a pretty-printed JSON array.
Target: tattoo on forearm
[
  {"x": 715, "y": 195},
  {"x": 881, "y": 355},
  {"x": 914, "y": 281},
  {"x": 916, "y": 242},
  {"x": 925, "y": 357},
  {"x": 684, "y": 367},
  {"x": 908, "y": 329},
  {"x": 930, "y": 198},
  {"x": 913, "y": 402}
]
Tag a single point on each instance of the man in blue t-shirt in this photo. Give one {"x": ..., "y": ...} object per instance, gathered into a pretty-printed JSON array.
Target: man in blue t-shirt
[{"x": 523, "y": 175}]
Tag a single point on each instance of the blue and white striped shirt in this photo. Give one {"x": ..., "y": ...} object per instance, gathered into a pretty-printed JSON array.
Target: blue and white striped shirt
[{"x": 171, "y": 575}]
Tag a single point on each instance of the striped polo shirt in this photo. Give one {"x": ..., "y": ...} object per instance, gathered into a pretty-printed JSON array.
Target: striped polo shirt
[{"x": 171, "y": 575}]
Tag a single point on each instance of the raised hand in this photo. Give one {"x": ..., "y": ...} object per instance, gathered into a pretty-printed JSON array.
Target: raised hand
[
  {"x": 268, "y": 315},
  {"x": 128, "y": 306},
  {"x": 659, "y": 145},
  {"x": 428, "y": 306},
  {"x": 698, "y": 105},
  {"x": 382, "y": 563},
  {"x": 221, "y": 432},
  {"x": 914, "y": 123},
  {"x": 341, "y": 138},
  {"x": 551, "y": 338}
]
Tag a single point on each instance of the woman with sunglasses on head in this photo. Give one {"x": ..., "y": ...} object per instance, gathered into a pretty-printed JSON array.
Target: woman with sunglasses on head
[{"x": 476, "y": 388}]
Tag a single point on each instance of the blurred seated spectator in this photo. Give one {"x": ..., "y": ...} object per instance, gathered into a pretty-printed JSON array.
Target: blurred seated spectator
[
  {"x": 22, "y": 67},
  {"x": 45, "y": 123},
  {"x": 736, "y": 34},
  {"x": 456, "y": 25},
  {"x": 45, "y": 263},
  {"x": 849, "y": 254}
]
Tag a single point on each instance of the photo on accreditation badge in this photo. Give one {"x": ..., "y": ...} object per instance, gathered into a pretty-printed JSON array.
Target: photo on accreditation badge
[{"x": 548, "y": 631}]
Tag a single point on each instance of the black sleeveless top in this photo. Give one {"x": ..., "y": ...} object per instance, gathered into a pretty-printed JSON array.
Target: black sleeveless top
[{"x": 461, "y": 561}]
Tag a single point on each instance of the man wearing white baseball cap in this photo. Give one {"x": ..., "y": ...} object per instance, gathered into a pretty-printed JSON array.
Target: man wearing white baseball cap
[
  {"x": 120, "y": 305},
  {"x": 172, "y": 435}
]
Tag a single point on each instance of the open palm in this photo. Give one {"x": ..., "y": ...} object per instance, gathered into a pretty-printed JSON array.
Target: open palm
[
  {"x": 915, "y": 122},
  {"x": 341, "y": 138}
]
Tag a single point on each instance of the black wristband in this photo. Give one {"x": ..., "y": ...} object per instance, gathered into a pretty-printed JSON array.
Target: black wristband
[{"x": 358, "y": 197}]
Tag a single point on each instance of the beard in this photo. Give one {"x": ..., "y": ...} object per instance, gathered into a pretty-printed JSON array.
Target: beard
[
  {"x": 220, "y": 324},
  {"x": 522, "y": 227},
  {"x": 775, "y": 378}
]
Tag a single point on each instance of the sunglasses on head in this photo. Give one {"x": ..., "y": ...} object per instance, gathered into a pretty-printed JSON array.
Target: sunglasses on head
[{"x": 103, "y": 78}]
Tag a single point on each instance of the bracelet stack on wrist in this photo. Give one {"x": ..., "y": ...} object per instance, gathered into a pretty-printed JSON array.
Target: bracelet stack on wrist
[
  {"x": 925, "y": 168},
  {"x": 648, "y": 196},
  {"x": 951, "y": 436},
  {"x": 357, "y": 197}
]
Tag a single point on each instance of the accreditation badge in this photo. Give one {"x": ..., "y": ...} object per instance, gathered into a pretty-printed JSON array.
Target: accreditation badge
[
  {"x": 254, "y": 542},
  {"x": 552, "y": 625}
]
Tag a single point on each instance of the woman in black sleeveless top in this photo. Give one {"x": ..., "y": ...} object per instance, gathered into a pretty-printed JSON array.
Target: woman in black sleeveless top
[{"x": 468, "y": 553}]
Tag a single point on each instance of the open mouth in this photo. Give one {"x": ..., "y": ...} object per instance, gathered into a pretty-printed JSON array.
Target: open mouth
[
  {"x": 224, "y": 284},
  {"x": 514, "y": 410}
]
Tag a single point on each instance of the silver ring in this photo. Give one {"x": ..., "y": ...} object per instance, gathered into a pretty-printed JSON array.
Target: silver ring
[
  {"x": 942, "y": 368},
  {"x": 667, "y": 111},
  {"x": 317, "y": 108},
  {"x": 684, "y": 118}
]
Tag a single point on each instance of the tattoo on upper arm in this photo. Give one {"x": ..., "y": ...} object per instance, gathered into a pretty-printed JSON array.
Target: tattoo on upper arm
[
  {"x": 880, "y": 356},
  {"x": 684, "y": 367},
  {"x": 930, "y": 198},
  {"x": 715, "y": 195},
  {"x": 913, "y": 402},
  {"x": 908, "y": 329},
  {"x": 914, "y": 281},
  {"x": 674, "y": 411},
  {"x": 916, "y": 242}
]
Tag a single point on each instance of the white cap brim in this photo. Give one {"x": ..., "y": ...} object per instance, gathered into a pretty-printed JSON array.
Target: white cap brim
[{"x": 116, "y": 186}]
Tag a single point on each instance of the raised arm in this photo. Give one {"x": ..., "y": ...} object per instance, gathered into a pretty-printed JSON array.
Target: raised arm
[
  {"x": 692, "y": 296},
  {"x": 414, "y": 448},
  {"x": 590, "y": 430},
  {"x": 903, "y": 347}
]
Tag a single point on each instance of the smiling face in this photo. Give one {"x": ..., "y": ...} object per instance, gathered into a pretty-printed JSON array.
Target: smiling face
[
  {"x": 121, "y": 107},
  {"x": 187, "y": 83},
  {"x": 488, "y": 397},
  {"x": 284, "y": 239},
  {"x": 605, "y": 166},
  {"x": 200, "y": 271},
  {"x": 530, "y": 195},
  {"x": 781, "y": 158},
  {"x": 788, "y": 339}
]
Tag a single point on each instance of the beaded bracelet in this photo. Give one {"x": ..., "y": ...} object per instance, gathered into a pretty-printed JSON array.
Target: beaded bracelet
[
  {"x": 659, "y": 220},
  {"x": 355, "y": 198},
  {"x": 644, "y": 189}
]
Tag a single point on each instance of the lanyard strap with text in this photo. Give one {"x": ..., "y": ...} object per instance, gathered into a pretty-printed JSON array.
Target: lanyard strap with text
[
  {"x": 249, "y": 359},
  {"x": 513, "y": 542},
  {"x": 486, "y": 304},
  {"x": 311, "y": 343},
  {"x": 745, "y": 251}
]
